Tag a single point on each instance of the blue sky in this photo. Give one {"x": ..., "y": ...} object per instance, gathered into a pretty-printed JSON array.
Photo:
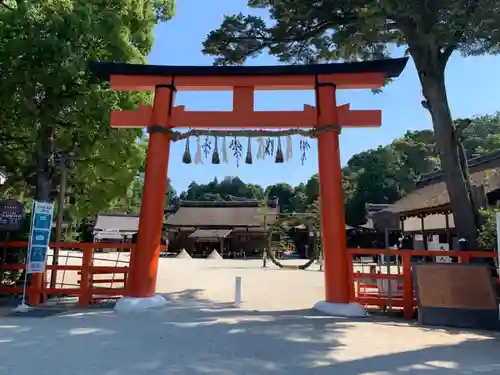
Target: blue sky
[{"x": 473, "y": 89}]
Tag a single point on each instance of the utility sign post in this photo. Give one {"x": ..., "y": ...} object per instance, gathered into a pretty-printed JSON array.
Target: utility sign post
[{"x": 41, "y": 226}]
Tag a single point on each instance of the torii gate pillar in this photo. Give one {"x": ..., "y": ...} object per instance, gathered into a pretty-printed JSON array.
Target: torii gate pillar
[
  {"x": 331, "y": 199},
  {"x": 144, "y": 262}
]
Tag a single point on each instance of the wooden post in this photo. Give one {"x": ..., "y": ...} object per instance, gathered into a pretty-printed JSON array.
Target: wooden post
[
  {"x": 35, "y": 289},
  {"x": 448, "y": 234},
  {"x": 85, "y": 277},
  {"x": 63, "y": 167},
  {"x": 407, "y": 286},
  {"x": 336, "y": 269},
  {"x": 424, "y": 236},
  {"x": 144, "y": 260},
  {"x": 266, "y": 243}
]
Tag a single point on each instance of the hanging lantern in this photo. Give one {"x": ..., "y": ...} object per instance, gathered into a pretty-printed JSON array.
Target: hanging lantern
[
  {"x": 279, "y": 153},
  {"x": 215, "y": 155},
  {"x": 186, "y": 158},
  {"x": 248, "y": 159}
]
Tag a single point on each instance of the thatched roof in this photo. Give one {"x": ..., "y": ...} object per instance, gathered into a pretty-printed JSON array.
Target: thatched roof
[
  {"x": 431, "y": 194},
  {"x": 117, "y": 221},
  {"x": 216, "y": 234},
  {"x": 225, "y": 214}
]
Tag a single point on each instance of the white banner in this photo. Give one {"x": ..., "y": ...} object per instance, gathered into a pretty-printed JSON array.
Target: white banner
[{"x": 440, "y": 247}]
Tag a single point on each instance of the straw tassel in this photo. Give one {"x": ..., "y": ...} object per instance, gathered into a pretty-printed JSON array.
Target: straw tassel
[
  {"x": 248, "y": 159},
  {"x": 224, "y": 150},
  {"x": 279, "y": 153},
  {"x": 197, "y": 156},
  {"x": 215, "y": 155},
  {"x": 186, "y": 158},
  {"x": 288, "y": 147},
  {"x": 261, "y": 153}
]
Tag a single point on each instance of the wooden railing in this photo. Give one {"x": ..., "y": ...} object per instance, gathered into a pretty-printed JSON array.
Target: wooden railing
[
  {"x": 407, "y": 299},
  {"x": 87, "y": 282},
  {"x": 85, "y": 287}
]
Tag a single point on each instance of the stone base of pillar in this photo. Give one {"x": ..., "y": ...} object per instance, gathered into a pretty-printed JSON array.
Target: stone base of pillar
[
  {"x": 352, "y": 310},
  {"x": 129, "y": 304}
]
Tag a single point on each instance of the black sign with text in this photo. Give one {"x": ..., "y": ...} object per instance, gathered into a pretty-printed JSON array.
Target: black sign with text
[{"x": 11, "y": 215}]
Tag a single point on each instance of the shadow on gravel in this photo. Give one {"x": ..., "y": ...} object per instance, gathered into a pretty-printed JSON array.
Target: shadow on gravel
[{"x": 197, "y": 336}]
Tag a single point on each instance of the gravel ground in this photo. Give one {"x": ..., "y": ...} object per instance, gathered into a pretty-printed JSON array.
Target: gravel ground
[{"x": 273, "y": 332}]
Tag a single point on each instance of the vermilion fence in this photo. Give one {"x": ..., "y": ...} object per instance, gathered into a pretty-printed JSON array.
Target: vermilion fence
[
  {"x": 95, "y": 282},
  {"x": 403, "y": 296},
  {"x": 87, "y": 274}
]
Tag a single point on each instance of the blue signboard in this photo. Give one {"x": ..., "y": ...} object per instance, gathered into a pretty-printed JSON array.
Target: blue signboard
[{"x": 41, "y": 225}]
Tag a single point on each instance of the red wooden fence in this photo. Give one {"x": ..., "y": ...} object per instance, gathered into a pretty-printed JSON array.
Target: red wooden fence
[
  {"x": 406, "y": 300},
  {"x": 85, "y": 288}
]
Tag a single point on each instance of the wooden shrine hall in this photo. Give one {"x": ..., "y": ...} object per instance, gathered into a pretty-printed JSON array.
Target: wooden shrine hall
[
  {"x": 426, "y": 212},
  {"x": 230, "y": 227}
]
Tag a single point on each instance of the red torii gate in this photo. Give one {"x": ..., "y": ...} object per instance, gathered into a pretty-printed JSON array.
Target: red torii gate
[{"x": 163, "y": 115}]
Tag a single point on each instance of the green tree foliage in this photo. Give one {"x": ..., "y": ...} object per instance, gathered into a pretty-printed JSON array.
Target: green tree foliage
[
  {"x": 51, "y": 103},
  {"x": 227, "y": 188},
  {"x": 483, "y": 135},
  {"x": 487, "y": 238},
  {"x": 285, "y": 194},
  {"x": 132, "y": 201},
  {"x": 303, "y": 31},
  {"x": 299, "y": 201}
]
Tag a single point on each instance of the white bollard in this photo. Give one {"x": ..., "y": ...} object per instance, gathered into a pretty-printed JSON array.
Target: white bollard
[{"x": 237, "y": 291}]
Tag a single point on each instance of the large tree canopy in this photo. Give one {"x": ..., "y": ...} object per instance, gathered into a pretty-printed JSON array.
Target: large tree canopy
[
  {"x": 304, "y": 31},
  {"x": 51, "y": 103}
]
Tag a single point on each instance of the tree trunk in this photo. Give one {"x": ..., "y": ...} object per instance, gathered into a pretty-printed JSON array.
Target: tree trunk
[
  {"x": 449, "y": 148},
  {"x": 43, "y": 152}
]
